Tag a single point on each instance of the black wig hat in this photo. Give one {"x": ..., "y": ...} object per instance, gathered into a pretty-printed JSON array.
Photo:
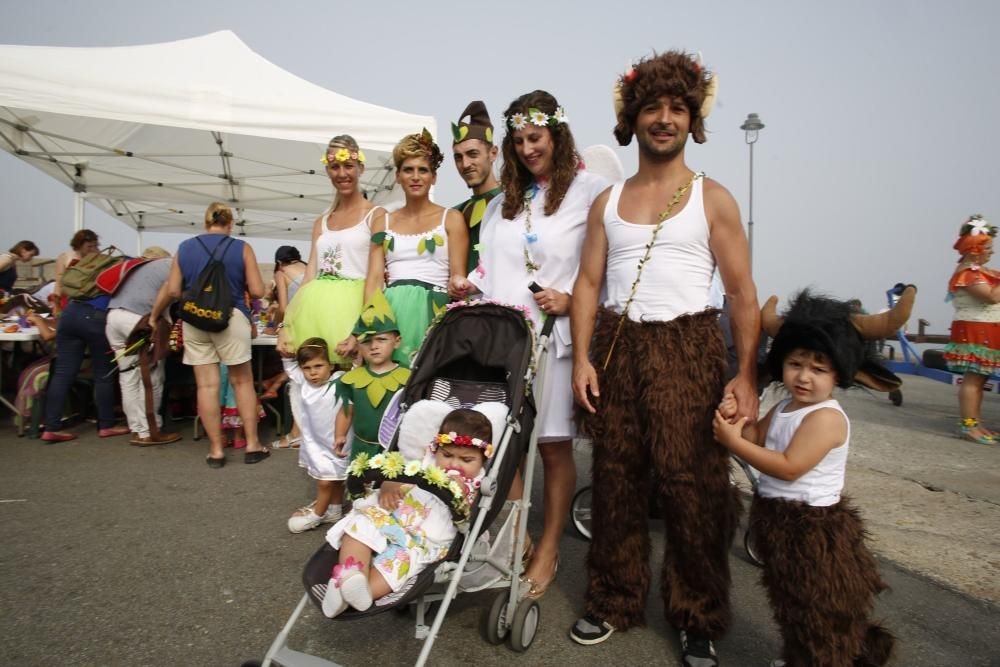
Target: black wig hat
[{"x": 819, "y": 324}]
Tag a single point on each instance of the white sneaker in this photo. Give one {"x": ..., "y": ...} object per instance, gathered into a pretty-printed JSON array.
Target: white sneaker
[
  {"x": 305, "y": 519},
  {"x": 355, "y": 591},
  {"x": 333, "y": 601}
]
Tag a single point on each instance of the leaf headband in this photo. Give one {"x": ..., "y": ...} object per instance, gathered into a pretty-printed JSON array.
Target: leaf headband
[
  {"x": 343, "y": 155},
  {"x": 630, "y": 75},
  {"x": 453, "y": 438},
  {"x": 519, "y": 121}
]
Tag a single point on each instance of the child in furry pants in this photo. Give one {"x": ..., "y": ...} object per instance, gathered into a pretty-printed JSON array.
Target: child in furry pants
[{"x": 821, "y": 578}]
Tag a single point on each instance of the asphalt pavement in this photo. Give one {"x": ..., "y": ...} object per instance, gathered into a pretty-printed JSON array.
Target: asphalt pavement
[{"x": 118, "y": 555}]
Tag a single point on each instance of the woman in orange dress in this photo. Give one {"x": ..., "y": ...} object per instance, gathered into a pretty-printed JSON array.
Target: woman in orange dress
[{"x": 974, "y": 348}]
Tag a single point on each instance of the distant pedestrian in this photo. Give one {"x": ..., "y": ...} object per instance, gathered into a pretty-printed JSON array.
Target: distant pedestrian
[{"x": 974, "y": 347}]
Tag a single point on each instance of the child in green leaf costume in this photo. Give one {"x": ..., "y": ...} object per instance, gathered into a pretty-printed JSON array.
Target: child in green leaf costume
[
  {"x": 409, "y": 521},
  {"x": 367, "y": 390}
]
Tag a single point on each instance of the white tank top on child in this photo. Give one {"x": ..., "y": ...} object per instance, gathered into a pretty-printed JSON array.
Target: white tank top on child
[
  {"x": 407, "y": 262},
  {"x": 822, "y": 485},
  {"x": 677, "y": 277},
  {"x": 344, "y": 252}
]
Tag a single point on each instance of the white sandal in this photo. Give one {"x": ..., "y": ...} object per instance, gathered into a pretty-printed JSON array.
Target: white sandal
[{"x": 285, "y": 442}]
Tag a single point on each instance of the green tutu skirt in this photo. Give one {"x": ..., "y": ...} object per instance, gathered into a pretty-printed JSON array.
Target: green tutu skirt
[
  {"x": 415, "y": 305},
  {"x": 327, "y": 308}
]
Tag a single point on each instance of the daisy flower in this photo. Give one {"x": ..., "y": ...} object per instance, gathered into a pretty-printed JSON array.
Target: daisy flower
[
  {"x": 517, "y": 121},
  {"x": 376, "y": 461},
  {"x": 412, "y": 468},
  {"x": 560, "y": 116},
  {"x": 539, "y": 118}
]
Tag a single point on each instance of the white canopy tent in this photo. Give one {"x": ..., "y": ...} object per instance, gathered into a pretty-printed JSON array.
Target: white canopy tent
[{"x": 152, "y": 134}]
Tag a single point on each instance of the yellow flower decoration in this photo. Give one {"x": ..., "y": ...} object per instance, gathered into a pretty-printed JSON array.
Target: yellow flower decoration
[
  {"x": 343, "y": 155},
  {"x": 394, "y": 465},
  {"x": 436, "y": 476}
]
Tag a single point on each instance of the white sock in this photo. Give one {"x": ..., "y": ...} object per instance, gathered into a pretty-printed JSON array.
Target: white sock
[{"x": 355, "y": 591}]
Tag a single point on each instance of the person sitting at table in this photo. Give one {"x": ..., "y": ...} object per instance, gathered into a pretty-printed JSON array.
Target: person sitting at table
[{"x": 23, "y": 251}]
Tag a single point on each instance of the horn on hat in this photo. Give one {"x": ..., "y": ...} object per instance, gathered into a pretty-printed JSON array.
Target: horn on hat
[
  {"x": 884, "y": 325},
  {"x": 769, "y": 319}
]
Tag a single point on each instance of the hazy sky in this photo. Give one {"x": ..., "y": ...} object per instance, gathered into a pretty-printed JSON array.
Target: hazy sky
[{"x": 881, "y": 117}]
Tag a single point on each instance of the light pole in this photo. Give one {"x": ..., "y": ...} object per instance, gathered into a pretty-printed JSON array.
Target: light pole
[{"x": 752, "y": 126}]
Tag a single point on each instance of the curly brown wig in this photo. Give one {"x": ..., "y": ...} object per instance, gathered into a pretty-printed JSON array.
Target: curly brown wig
[
  {"x": 516, "y": 178},
  {"x": 418, "y": 145},
  {"x": 672, "y": 74}
]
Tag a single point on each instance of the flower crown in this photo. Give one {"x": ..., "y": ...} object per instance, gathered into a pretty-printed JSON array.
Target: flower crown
[
  {"x": 977, "y": 225},
  {"x": 392, "y": 465},
  {"x": 453, "y": 438},
  {"x": 343, "y": 155},
  {"x": 519, "y": 121}
]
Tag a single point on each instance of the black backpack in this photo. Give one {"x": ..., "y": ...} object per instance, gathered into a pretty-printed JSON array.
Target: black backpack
[{"x": 208, "y": 303}]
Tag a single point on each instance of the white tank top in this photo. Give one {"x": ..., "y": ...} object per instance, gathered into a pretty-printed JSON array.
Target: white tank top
[
  {"x": 822, "y": 485},
  {"x": 344, "y": 252},
  {"x": 677, "y": 279},
  {"x": 412, "y": 258}
]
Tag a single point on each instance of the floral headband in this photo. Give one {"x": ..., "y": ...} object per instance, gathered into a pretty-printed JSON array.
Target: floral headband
[
  {"x": 519, "y": 121},
  {"x": 453, "y": 438},
  {"x": 630, "y": 75},
  {"x": 343, "y": 155},
  {"x": 976, "y": 225}
]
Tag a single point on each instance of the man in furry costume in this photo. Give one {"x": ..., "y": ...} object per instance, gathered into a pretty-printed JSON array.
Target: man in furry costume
[
  {"x": 820, "y": 577},
  {"x": 660, "y": 362}
]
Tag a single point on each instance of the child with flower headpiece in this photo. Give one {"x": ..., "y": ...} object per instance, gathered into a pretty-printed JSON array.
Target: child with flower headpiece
[{"x": 409, "y": 520}]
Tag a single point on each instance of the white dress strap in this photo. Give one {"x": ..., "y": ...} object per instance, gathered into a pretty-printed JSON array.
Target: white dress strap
[{"x": 444, "y": 218}]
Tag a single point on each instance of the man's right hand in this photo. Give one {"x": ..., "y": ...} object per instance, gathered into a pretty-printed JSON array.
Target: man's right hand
[
  {"x": 347, "y": 347},
  {"x": 585, "y": 386},
  {"x": 284, "y": 347}
]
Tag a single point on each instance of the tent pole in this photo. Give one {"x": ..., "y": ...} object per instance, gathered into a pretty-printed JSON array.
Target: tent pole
[
  {"x": 138, "y": 243},
  {"x": 78, "y": 202}
]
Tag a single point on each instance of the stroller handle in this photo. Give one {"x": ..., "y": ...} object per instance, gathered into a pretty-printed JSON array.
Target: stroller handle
[{"x": 547, "y": 326}]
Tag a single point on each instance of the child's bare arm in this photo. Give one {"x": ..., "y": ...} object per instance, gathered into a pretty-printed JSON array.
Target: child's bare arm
[
  {"x": 341, "y": 427},
  {"x": 819, "y": 432}
]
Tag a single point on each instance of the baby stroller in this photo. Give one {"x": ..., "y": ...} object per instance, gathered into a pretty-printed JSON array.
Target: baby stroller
[{"x": 476, "y": 352}]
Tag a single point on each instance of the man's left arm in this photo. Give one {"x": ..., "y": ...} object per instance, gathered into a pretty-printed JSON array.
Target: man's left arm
[{"x": 732, "y": 255}]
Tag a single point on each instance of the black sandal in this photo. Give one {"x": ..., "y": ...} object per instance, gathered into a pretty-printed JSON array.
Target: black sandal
[
  {"x": 256, "y": 457},
  {"x": 215, "y": 463}
]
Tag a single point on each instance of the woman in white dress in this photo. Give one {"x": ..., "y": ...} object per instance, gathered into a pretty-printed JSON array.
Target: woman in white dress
[{"x": 532, "y": 235}]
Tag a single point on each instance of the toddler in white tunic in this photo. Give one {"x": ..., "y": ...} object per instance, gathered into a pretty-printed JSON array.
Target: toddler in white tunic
[
  {"x": 313, "y": 375},
  {"x": 409, "y": 521}
]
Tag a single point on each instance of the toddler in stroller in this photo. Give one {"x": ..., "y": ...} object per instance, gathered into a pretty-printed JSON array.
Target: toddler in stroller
[{"x": 407, "y": 519}]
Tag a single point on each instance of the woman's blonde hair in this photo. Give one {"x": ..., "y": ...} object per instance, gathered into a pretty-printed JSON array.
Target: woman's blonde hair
[
  {"x": 218, "y": 215},
  {"x": 417, "y": 145}
]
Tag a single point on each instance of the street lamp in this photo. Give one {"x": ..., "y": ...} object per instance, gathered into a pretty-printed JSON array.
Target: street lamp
[{"x": 752, "y": 126}]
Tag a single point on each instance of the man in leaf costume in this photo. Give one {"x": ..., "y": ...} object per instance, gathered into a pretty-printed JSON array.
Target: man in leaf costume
[
  {"x": 474, "y": 157},
  {"x": 367, "y": 390}
]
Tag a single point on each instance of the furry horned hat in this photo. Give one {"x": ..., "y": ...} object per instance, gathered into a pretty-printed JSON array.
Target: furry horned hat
[{"x": 837, "y": 330}]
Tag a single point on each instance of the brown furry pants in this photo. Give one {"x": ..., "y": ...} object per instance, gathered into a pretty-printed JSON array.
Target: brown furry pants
[
  {"x": 653, "y": 440},
  {"x": 822, "y": 581}
]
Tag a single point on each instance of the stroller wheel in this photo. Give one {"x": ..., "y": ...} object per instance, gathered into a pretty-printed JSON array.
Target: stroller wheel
[
  {"x": 751, "y": 549},
  {"x": 495, "y": 625},
  {"x": 896, "y": 396},
  {"x": 580, "y": 511},
  {"x": 524, "y": 627}
]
